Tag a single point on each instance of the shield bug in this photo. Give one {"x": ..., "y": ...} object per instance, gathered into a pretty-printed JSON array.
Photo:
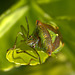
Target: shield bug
[{"x": 43, "y": 42}]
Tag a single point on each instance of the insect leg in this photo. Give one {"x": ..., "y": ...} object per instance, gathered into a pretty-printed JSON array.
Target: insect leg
[
  {"x": 37, "y": 54},
  {"x": 49, "y": 51},
  {"x": 16, "y": 39},
  {"x": 27, "y": 28},
  {"x": 31, "y": 60},
  {"x": 23, "y": 31},
  {"x": 39, "y": 43}
]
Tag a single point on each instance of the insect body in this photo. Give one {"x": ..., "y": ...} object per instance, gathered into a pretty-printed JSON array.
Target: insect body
[
  {"x": 45, "y": 38},
  {"x": 42, "y": 37}
]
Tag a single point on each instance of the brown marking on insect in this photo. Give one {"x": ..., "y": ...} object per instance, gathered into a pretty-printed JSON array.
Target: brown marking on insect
[
  {"x": 56, "y": 43},
  {"x": 47, "y": 26},
  {"x": 47, "y": 36}
]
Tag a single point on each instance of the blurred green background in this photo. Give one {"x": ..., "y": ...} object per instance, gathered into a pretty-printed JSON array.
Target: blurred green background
[{"x": 61, "y": 12}]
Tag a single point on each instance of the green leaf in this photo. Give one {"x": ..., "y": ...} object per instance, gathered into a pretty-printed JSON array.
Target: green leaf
[{"x": 61, "y": 12}]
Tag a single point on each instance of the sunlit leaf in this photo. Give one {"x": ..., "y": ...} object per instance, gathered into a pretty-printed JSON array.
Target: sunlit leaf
[{"x": 61, "y": 12}]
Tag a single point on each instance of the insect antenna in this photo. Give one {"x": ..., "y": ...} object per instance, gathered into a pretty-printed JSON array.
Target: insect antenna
[
  {"x": 23, "y": 31},
  {"x": 27, "y": 28},
  {"x": 16, "y": 39}
]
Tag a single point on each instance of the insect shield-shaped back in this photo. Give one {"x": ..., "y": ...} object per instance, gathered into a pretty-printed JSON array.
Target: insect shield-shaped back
[{"x": 51, "y": 38}]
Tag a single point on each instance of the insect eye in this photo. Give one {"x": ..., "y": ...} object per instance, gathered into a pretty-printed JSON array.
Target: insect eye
[
  {"x": 37, "y": 22},
  {"x": 49, "y": 53},
  {"x": 30, "y": 36}
]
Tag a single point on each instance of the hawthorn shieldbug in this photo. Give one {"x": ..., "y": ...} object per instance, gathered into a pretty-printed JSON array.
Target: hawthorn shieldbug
[{"x": 44, "y": 38}]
